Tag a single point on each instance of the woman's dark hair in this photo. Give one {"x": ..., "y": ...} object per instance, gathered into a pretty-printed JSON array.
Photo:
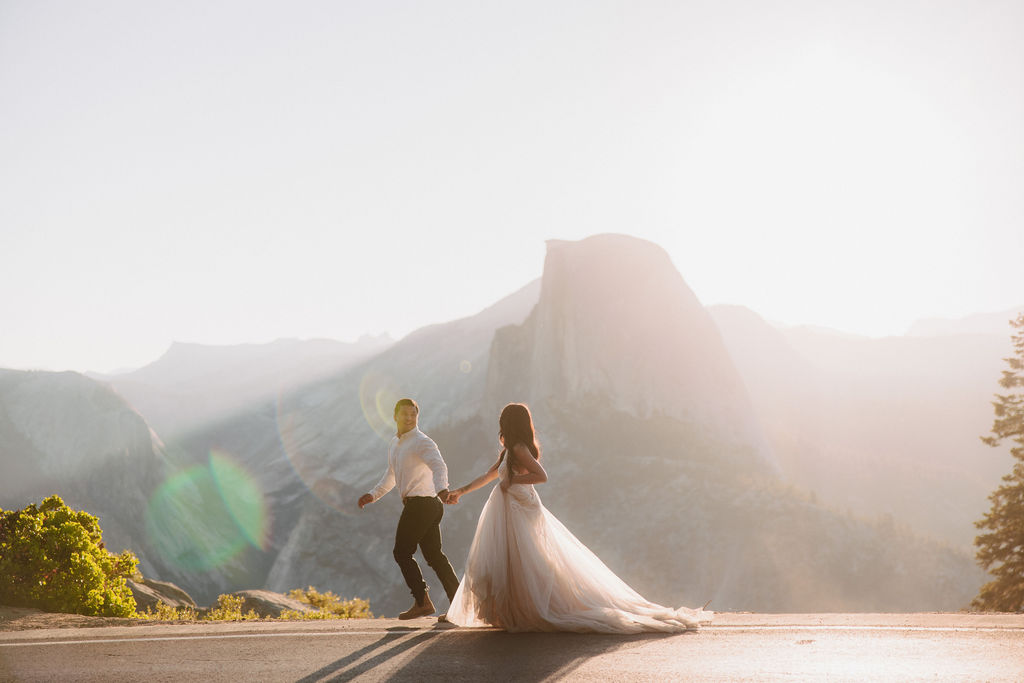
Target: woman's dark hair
[{"x": 516, "y": 426}]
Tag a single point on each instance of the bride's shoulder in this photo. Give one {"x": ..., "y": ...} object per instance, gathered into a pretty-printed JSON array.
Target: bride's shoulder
[{"x": 519, "y": 452}]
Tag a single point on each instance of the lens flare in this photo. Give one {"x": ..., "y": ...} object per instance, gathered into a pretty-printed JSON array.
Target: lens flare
[
  {"x": 287, "y": 419},
  {"x": 313, "y": 453},
  {"x": 242, "y": 497},
  {"x": 378, "y": 395},
  {"x": 309, "y": 462},
  {"x": 205, "y": 515}
]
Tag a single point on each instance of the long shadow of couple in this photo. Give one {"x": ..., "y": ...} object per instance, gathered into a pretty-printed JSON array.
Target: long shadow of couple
[{"x": 451, "y": 654}]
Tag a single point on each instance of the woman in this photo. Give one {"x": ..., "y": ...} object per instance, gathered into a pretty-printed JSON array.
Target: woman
[{"x": 527, "y": 572}]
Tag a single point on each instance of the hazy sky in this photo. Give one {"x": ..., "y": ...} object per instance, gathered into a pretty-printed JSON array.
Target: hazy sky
[{"x": 226, "y": 172}]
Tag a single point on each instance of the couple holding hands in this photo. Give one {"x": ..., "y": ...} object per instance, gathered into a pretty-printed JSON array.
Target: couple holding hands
[{"x": 525, "y": 571}]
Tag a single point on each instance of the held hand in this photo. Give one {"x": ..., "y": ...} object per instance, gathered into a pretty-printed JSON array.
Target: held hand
[
  {"x": 443, "y": 494},
  {"x": 365, "y": 500},
  {"x": 453, "y": 497}
]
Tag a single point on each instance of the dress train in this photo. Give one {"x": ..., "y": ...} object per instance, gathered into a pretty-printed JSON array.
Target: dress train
[{"x": 527, "y": 572}]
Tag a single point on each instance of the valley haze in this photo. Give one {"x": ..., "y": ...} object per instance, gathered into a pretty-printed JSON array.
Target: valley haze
[{"x": 701, "y": 452}]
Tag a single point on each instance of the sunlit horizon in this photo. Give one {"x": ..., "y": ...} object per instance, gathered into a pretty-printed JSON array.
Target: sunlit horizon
[
  {"x": 150, "y": 354},
  {"x": 329, "y": 171}
]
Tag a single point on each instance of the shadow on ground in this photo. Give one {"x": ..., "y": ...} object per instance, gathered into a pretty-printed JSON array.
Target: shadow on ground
[{"x": 492, "y": 655}]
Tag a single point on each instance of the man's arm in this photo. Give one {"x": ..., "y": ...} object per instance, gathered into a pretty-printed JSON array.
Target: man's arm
[
  {"x": 386, "y": 483},
  {"x": 431, "y": 456}
]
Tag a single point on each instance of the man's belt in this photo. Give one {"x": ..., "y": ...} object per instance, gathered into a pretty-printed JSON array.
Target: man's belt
[{"x": 406, "y": 499}]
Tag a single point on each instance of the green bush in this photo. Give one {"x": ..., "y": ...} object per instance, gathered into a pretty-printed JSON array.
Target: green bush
[
  {"x": 330, "y": 605},
  {"x": 52, "y": 557},
  {"x": 165, "y": 612},
  {"x": 229, "y": 608}
]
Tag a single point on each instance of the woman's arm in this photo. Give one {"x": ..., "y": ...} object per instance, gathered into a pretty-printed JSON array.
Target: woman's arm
[
  {"x": 535, "y": 473},
  {"x": 488, "y": 476}
]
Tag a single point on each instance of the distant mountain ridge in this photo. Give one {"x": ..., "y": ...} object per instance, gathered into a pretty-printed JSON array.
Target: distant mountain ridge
[
  {"x": 66, "y": 434},
  {"x": 878, "y": 426},
  {"x": 192, "y": 384},
  {"x": 979, "y": 323},
  {"x": 676, "y": 437},
  {"x": 627, "y": 465},
  {"x": 65, "y": 420}
]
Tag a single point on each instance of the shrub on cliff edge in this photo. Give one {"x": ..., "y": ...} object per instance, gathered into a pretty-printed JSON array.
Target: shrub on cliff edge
[
  {"x": 330, "y": 606},
  {"x": 52, "y": 557}
]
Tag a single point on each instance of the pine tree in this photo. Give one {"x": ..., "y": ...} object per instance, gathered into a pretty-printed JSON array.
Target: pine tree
[{"x": 1001, "y": 547}]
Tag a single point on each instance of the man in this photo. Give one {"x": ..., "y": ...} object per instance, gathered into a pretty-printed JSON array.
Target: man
[{"x": 416, "y": 466}]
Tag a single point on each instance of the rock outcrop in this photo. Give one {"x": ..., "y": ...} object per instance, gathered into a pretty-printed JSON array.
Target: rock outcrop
[
  {"x": 149, "y": 592},
  {"x": 269, "y": 603},
  {"x": 617, "y": 324},
  {"x": 66, "y": 434}
]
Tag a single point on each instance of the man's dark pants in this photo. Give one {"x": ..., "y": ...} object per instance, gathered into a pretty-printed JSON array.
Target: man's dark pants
[{"x": 420, "y": 524}]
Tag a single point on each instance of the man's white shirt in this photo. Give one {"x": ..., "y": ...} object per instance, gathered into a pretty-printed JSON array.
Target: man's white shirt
[{"x": 415, "y": 465}]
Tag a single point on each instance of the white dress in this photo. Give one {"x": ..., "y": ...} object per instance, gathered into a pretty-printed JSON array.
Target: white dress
[{"x": 527, "y": 572}]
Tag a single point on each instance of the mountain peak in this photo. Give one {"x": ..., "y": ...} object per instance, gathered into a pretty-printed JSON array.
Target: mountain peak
[
  {"x": 608, "y": 240},
  {"x": 616, "y": 320}
]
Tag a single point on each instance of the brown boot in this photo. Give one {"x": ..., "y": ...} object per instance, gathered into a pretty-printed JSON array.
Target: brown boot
[{"x": 420, "y": 608}]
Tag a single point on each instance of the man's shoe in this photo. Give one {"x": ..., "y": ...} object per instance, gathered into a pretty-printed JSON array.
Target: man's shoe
[{"x": 419, "y": 609}]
